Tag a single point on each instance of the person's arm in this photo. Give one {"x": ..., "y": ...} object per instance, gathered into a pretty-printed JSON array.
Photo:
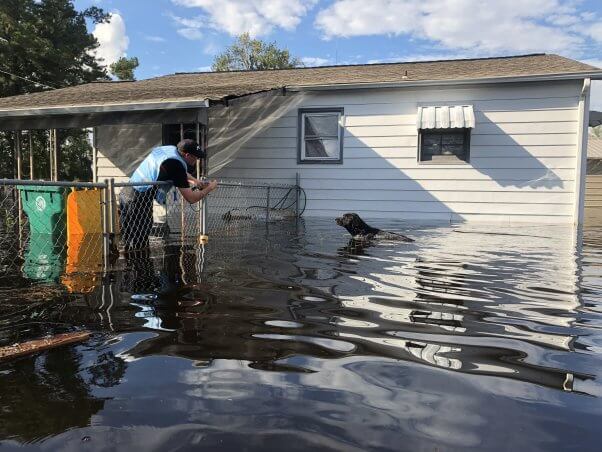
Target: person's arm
[
  {"x": 194, "y": 181},
  {"x": 193, "y": 196}
]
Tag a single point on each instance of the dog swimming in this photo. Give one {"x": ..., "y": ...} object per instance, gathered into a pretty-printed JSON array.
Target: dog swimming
[{"x": 360, "y": 230}]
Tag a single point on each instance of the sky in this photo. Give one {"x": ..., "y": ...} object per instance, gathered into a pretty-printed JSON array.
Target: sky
[{"x": 169, "y": 36}]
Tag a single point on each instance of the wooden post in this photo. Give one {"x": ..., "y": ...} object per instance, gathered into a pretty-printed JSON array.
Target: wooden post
[
  {"x": 55, "y": 150},
  {"x": 31, "y": 171},
  {"x": 19, "y": 176},
  {"x": 94, "y": 157},
  {"x": 50, "y": 155},
  {"x": 18, "y": 154}
]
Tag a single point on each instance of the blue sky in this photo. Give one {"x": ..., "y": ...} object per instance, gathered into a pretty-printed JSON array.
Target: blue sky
[{"x": 171, "y": 36}]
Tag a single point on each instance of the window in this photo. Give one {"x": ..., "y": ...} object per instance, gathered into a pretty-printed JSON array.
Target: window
[
  {"x": 444, "y": 145},
  {"x": 171, "y": 133},
  {"x": 320, "y": 136}
]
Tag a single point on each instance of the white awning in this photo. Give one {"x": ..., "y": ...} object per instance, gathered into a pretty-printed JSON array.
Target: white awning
[{"x": 445, "y": 117}]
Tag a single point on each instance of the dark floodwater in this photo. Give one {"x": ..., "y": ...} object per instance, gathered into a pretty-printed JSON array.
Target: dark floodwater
[{"x": 472, "y": 338}]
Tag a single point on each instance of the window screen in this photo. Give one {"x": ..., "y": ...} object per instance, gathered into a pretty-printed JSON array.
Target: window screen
[
  {"x": 444, "y": 146},
  {"x": 320, "y": 136}
]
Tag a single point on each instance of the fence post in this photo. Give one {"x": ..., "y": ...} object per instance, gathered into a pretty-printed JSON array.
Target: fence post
[
  {"x": 105, "y": 223},
  {"x": 297, "y": 194},
  {"x": 267, "y": 206},
  {"x": 112, "y": 209}
]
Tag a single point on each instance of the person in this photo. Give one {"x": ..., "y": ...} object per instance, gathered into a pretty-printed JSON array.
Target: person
[{"x": 164, "y": 163}]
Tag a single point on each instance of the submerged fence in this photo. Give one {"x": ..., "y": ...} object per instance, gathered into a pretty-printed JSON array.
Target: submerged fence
[{"x": 49, "y": 229}]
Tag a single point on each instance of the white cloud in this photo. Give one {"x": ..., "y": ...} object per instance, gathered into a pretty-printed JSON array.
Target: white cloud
[
  {"x": 482, "y": 26},
  {"x": 189, "y": 27},
  {"x": 205, "y": 69},
  {"x": 257, "y": 17},
  {"x": 112, "y": 38},
  {"x": 315, "y": 61},
  {"x": 154, "y": 38}
]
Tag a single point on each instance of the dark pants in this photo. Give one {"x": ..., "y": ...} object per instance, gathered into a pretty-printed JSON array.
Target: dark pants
[{"x": 136, "y": 214}]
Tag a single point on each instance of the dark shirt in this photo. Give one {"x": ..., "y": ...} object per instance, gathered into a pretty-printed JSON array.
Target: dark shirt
[{"x": 173, "y": 170}]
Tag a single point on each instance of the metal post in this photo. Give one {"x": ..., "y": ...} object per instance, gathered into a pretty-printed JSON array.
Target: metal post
[
  {"x": 198, "y": 174},
  {"x": 111, "y": 207},
  {"x": 204, "y": 173},
  {"x": 297, "y": 194},
  {"x": 267, "y": 206},
  {"x": 105, "y": 223},
  {"x": 31, "y": 171},
  {"x": 181, "y": 197}
]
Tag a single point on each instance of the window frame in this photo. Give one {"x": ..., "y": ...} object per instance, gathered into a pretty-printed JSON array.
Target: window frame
[
  {"x": 302, "y": 112},
  {"x": 467, "y": 133}
]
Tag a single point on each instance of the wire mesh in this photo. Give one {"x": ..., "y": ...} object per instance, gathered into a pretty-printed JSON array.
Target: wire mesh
[
  {"x": 40, "y": 241},
  {"x": 148, "y": 215},
  {"x": 65, "y": 232}
]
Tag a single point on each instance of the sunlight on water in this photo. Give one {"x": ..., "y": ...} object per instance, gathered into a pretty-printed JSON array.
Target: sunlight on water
[{"x": 477, "y": 337}]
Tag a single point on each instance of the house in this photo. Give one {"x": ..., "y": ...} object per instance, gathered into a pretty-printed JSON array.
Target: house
[
  {"x": 593, "y": 184},
  {"x": 491, "y": 139}
]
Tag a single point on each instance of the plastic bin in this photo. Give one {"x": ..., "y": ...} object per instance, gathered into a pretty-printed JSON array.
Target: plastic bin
[
  {"x": 84, "y": 213},
  {"x": 44, "y": 259},
  {"x": 45, "y": 208}
]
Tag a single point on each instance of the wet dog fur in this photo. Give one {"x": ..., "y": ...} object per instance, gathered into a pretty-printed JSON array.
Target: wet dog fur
[{"x": 360, "y": 230}]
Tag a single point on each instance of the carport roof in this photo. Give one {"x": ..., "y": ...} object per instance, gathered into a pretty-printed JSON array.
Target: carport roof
[{"x": 217, "y": 86}]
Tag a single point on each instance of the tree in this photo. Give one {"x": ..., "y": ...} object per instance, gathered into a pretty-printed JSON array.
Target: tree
[
  {"x": 124, "y": 68},
  {"x": 46, "y": 44},
  {"x": 248, "y": 54}
]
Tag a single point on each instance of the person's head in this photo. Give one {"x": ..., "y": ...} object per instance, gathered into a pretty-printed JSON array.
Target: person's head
[{"x": 191, "y": 151}]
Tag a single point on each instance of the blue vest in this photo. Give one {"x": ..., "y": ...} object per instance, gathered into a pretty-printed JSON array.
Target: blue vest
[{"x": 148, "y": 170}]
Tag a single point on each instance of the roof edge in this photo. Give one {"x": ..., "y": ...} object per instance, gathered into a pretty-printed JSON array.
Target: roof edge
[
  {"x": 594, "y": 75},
  {"x": 103, "y": 108}
]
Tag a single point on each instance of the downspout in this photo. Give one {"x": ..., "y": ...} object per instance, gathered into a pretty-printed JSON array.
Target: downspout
[{"x": 581, "y": 162}]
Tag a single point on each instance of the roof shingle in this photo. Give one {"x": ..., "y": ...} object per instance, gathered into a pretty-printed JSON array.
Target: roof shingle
[{"x": 219, "y": 85}]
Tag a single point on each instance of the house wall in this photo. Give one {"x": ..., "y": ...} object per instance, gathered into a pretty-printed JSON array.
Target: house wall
[
  {"x": 522, "y": 156},
  {"x": 121, "y": 142}
]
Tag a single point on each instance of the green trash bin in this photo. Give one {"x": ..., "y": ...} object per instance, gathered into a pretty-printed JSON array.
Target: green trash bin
[
  {"x": 45, "y": 258},
  {"x": 45, "y": 209}
]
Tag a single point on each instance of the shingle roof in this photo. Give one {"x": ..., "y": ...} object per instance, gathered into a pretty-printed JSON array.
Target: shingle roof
[
  {"x": 594, "y": 147},
  {"x": 219, "y": 85}
]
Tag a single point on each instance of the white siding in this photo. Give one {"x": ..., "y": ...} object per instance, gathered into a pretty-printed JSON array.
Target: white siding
[
  {"x": 522, "y": 165},
  {"x": 125, "y": 144}
]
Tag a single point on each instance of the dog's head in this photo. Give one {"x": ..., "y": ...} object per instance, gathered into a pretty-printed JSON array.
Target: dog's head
[{"x": 353, "y": 223}]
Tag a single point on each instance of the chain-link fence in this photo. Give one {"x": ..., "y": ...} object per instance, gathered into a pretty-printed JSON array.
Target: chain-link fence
[
  {"x": 51, "y": 231},
  {"x": 63, "y": 231}
]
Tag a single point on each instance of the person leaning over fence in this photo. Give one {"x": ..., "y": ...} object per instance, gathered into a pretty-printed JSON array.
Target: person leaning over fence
[{"x": 164, "y": 163}]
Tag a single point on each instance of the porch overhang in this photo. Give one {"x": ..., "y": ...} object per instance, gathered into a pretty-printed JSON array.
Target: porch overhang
[{"x": 96, "y": 115}]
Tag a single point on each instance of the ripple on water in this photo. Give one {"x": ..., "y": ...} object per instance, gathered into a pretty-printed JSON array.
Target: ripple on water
[{"x": 473, "y": 337}]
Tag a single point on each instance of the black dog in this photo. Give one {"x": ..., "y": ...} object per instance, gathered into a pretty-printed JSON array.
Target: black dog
[{"x": 359, "y": 230}]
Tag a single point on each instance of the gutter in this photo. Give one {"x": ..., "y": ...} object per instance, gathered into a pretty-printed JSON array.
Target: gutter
[
  {"x": 581, "y": 158},
  {"x": 595, "y": 75},
  {"x": 139, "y": 106}
]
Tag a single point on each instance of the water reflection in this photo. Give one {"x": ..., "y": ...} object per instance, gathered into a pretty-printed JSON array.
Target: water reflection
[{"x": 350, "y": 345}]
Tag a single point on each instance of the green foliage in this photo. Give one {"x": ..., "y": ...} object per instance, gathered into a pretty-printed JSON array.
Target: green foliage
[
  {"x": 124, "y": 68},
  {"x": 75, "y": 155},
  {"x": 47, "y": 42},
  {"x": 248, "y": 54}
]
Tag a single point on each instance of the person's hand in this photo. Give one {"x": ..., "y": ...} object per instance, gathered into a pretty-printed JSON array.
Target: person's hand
[{"x": 211, "y": 186}]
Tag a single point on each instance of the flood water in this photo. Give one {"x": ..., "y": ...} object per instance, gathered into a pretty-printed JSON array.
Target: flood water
[{"x": 475, "y": 337}]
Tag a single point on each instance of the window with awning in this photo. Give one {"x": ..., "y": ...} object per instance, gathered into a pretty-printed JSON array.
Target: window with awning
[{"x": 444, "y": 133}]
